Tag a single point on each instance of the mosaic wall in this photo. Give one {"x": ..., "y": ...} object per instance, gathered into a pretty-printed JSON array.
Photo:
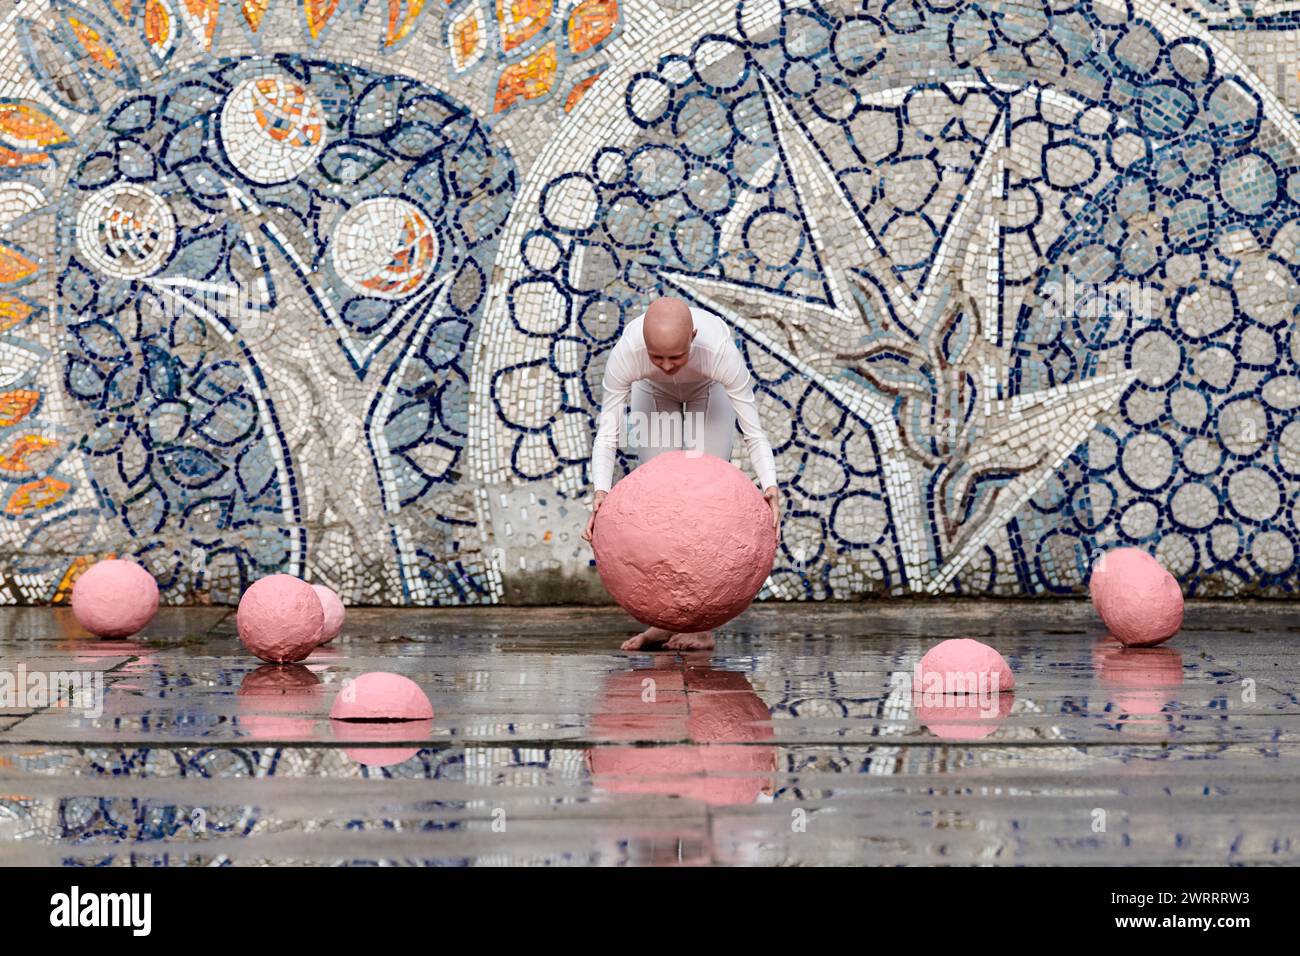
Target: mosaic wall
[{"x": 327, "y": 286}]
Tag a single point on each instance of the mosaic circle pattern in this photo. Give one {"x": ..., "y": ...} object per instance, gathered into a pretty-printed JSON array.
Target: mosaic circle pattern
[
  {"x": 126, "y": 231},
  {"x": 272, "y": 128},
  {"x": 384, "y": 248}
]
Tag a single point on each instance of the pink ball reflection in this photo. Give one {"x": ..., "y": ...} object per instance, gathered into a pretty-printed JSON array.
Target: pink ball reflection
[
  {"x": 725, "y": 718},
  {"x": 279, "y": 702}
]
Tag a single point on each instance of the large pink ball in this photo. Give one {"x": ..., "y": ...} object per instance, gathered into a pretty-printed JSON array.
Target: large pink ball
[
  {"x": 684, "y": 542},
  {"x": 379, "y": 695},
  {"x": 334, "y": 612},
  {"x": 1139, "y": 601},
  {"x": 953, "y": 662},
  {"x": 115, "y": 598},
  {"x": 280, "y": 619}
]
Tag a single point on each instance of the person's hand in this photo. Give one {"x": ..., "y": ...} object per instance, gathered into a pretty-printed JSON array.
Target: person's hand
[
  {"x": 591, "y": 522},
  {"x": 773, "y": 496}
]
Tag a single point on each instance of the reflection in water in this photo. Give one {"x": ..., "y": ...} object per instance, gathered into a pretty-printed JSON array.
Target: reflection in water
[
  {"x": 964, "y": 716},
  {"x": 381, "y": 732},
  {"x": 717, "y": 711},
  {"x": 188, "y": 764},
  {"x": 277, "y": 702},
  {"x": 75, "y": 637},
  {"x": 1142, "y": 682}
]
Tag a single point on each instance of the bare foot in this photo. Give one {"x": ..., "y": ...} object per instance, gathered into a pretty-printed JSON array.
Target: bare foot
[
  {"x": 696, "y": 641},
  {"x": 650, "y": 637}
]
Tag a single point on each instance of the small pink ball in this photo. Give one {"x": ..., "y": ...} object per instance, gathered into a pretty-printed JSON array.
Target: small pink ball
[
  {"x": 1139, "y": 601},
  {"x": 684, "y": 542},
  {"x": 379, "y": 695},
  {"x": 280, "y": 619},
  {"x": 115, "y": 598},
  {"x": 1114, "y": 566},
  {"x": 334, "y": 612},
  {"x": 954, "y": 661}
]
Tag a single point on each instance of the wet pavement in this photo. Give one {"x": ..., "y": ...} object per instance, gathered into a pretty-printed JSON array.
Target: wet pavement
[{"x": 797, "y": 741}]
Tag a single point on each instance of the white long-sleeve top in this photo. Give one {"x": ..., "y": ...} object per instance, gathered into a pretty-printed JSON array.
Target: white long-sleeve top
[{"x": 713, "y": 358}]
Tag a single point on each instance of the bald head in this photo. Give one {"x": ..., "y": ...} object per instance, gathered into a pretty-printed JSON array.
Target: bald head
[{"x": 668, "y": 331}]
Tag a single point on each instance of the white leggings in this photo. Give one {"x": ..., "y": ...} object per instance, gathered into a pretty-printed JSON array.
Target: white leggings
[{"x": 699, "y": 417}]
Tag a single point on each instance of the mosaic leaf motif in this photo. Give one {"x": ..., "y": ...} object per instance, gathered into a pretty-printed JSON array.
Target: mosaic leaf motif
[
  {"x": 26, "y": 135},
  {"x": 70, "y": 52},
  {"x": 161, "y": 28},
  {"x": 15, "y": 266},
  {"x": 369, "y": 201},
  {"x": 14, "y": 311},
  {"x": 47, "y": 56},
  {"x": 253, "y": 11},
  {"x": 24, "y": 454},
  {"x": 36, "y": 496},
  {"x": 201, "y": 16},
  {"x": 13, "y": 159},
  {"x": 578, "y": 91},
  {"x": 318, "y": 14},
  {"x": 78, "y": 567},
  {"x": 94, "y": 45},
  {"x": 92, "y": 42},
  {"x": 402, "y": 18},
  {"x": 896, "y": 234},
  {"x": 591, "y": 23},
  {"x": 531, "y": 78},
  {"x": 16, "y": 405},
  {"x": 521, "y": 20},
  {"x": 25, "y": 126},
  {"x": 466, "y": 37}
]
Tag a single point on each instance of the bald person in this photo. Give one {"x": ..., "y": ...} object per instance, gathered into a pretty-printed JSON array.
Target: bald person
[{"x": 679, "y": 367}]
